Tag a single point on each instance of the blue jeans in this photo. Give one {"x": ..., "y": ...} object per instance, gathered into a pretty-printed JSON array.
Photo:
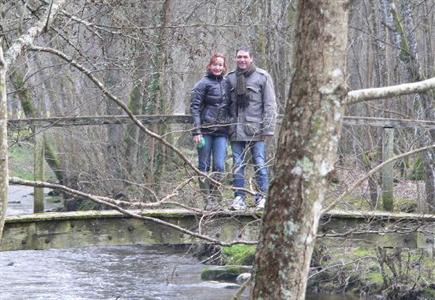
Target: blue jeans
[
  {"x": 214, "y": 147},
  {"x": 258, "y": 153}
]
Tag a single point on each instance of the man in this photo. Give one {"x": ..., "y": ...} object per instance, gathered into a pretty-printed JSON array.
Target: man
[{"x": 253, "y": 108}]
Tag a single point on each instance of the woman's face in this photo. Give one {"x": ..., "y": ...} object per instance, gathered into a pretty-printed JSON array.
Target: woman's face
[{"x": 217, "y": 67}]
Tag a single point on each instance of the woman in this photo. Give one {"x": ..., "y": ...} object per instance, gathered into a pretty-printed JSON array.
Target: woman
[{"x": 209, "y": 108}]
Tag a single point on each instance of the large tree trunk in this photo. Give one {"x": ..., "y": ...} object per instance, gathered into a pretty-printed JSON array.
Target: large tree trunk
[
  {"x": 306, "y": 153},
  {"x": 4, "y": 180}
]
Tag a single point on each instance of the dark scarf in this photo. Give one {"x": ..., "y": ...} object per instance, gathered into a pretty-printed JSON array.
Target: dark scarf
[{"x": 242, "y": 96}]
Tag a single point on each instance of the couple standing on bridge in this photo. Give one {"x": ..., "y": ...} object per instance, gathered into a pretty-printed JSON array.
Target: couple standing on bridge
[{"x": 239, "y": 107}]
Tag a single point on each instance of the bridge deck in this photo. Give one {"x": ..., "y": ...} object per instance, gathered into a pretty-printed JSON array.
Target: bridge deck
[{"x": 84, "y": 228}]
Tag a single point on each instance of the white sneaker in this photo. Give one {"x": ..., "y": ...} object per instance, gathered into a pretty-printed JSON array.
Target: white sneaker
[
  {"x": 260, "y": 202},
  {"x": 238, "y": 203}
]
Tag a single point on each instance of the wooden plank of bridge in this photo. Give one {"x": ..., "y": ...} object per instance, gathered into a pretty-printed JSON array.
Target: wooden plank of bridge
[
  {"x": 97, "y": 120},
  {"x": 16, "y": 124}
]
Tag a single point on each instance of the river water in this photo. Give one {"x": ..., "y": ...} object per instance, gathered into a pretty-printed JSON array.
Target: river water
[
  {"x": 20, "y": 200},
  {"x": 112, "y": 272},
  {"x": 116, "y": 272}
]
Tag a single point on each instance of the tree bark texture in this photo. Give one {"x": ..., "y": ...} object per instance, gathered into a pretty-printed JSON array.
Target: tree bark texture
[
  {"x": 306, "y": 152},
  {"x": 4, "y": 180}
]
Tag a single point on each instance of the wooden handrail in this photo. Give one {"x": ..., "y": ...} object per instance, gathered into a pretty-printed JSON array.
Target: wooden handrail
[{"x": 16, "y": 124}]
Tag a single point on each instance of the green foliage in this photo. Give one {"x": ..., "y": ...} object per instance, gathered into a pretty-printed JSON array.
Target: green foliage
[
  {"x": 25, "y": 133},
  {"x": 375, "y": 277},
  {"x": 134, "y": 103},
  {"x": 367, "y": 270},
  {"x": 21, "y": 161},
  {"x": 362, "y": 252},
  {"x": 239, "y": 254},
  {"x": 417, "y": 170},
  {"x": 428, "y": 293},
  {"x": 405, "y": 205}
]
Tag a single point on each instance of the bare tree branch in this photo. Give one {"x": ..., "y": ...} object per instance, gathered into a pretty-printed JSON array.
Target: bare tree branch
[
  {"x": 357, "y": 96},
  {"x": 26, "y": 40}
]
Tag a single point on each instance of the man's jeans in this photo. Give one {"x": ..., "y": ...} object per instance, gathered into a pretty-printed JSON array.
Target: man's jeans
[
  {"x": 216, "y": 147},
  {"x": 258, "y": 154}
]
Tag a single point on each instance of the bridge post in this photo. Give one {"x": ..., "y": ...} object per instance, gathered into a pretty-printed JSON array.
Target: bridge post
[
  {"x": 387, "y": 171},
  {"x": 38, "y": 171}
]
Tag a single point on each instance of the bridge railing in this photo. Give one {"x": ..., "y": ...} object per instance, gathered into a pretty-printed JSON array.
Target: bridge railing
[{"x": 42, "y": 124}]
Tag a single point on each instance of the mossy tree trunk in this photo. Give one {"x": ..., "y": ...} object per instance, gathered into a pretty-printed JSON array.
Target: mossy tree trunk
[
  {"x": 114, "y": 150},
  {"x": 132, "y": 131},
  {"x": 306, "y": 152},
  {"x": 156, "y": 90},
  {"x": 405, "y": 40},
  {"x": 27, "y": 104},
  {"x": 164, "y": 81}
]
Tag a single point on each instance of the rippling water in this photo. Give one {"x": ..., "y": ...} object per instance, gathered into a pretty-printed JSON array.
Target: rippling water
[
  {"x": 120, "y": 272},
  {"x": 115, "y": 272}
]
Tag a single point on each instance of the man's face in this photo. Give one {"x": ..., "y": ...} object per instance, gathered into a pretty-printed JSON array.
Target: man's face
[{"x": 243, "y": 59}]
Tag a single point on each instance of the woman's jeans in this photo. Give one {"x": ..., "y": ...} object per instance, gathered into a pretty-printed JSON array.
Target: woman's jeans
[
  {"x": 258, "y": 153},
  {"x": 215, "y": 147}
]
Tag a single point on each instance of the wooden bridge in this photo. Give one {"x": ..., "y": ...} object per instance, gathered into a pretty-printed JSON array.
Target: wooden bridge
[
  {"x": 108, "y": 227},
  {"x": 337, "y": 228}
]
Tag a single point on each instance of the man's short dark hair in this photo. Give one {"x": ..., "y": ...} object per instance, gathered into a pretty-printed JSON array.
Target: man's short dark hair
[{"x": 246, "y": 49}]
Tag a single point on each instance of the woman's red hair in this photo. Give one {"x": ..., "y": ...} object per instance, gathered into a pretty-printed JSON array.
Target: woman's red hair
[{"x": 213, "y": 60}]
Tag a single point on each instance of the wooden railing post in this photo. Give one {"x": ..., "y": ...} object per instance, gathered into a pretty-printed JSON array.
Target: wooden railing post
[
  {"x": 387, "y": 171},
  {"x": 38, "y": 170}
]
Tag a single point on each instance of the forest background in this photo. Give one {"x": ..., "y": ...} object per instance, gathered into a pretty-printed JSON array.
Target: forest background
[{"x": 148, "y": 54}]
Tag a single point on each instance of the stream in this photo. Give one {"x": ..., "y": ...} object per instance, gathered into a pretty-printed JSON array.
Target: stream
[
  {"x": 115, "y": 272},
  {"x": 111, "y": 272},
  {"x": 20, "y": 200}
]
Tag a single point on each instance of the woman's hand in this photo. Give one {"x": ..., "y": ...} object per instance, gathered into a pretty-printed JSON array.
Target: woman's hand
[{"x": 197, "y": 139}]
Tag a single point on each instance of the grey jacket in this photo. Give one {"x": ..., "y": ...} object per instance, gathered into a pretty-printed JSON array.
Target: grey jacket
[{"x": 259, "y": 118}]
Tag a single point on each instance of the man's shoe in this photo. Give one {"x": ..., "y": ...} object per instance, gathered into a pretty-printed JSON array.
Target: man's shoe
[
  {"x": 238, "y": 203},
  {"x": 260, "y": 202}
]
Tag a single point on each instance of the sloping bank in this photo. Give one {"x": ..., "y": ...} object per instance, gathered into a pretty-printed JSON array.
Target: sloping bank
[{"x": 384, "y": 273}]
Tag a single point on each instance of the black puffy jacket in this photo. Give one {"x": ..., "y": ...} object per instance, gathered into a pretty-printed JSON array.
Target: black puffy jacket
[{"x": 209, "y": 106}]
